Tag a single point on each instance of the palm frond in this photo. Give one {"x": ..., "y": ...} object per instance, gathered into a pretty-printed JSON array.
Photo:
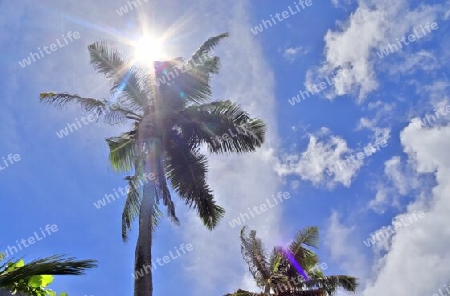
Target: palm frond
[
  {"x": 164, "y": 194},
  {"x": 193, "y": 83},
  {"x": 133, "y": 90},
  {"x": 101, "y": 108},
  {"x": 207, "y": 46},
  {"x": 309, "y": 236},
  {"x": 316, "y": 292},
  {"x": 122, "y": 151},
  {"x": 108, "y": 60},
  {"x": 132, "y": 204},
  {"x": 281, "y": 277},
  {"x": 253, "y": 253},
  {"x": 185, "y": 83},
  {"x": 332, "y": 283},
  {"x": 53, "y": 265},
  {"x": 186, "y": 170},
  {"x": 241, "y": 292},
  {"x": 223, "y": 126}
]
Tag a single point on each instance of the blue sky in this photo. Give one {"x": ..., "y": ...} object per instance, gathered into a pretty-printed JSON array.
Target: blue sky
[{"x": 379, "y": 100}]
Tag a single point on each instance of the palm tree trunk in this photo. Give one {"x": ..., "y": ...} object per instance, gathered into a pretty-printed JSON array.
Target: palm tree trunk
[
  {"x": 143, "y": 256},
  {"x": 143, "y": 285},
  {"x": 152, "y": 145}
]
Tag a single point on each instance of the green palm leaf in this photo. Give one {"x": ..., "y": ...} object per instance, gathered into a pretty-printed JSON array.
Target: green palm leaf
[
  {"x": 186, "y": 170},
  {"x": 281, "y": 277},
  {"x": 122, "y": 151},
  {"x": 223, "y": 126},
  {"x": 53, "y": 265}
]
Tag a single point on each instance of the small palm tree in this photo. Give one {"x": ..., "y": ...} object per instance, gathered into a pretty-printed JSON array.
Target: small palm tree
[
  {"x": 32, "y": 278},
  {"x": 170, "y": 122},
  {"x": 278, "y": 275}
]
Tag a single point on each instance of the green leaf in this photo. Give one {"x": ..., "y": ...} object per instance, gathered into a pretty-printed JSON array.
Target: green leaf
[
  {"x": 40, "y": 280},
  {"x": 14, "y": 265},
  {"x": 19, "y": 263}
]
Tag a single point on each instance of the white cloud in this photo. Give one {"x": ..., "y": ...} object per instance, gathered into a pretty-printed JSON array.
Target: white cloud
[
  {"x": 393, "y": 171},
  {"x": 338, "y": 3},
  {"x": 324, "y": 152},
  {"x": 412, "y": 62},
  {"x": 338, "y": 240},
  {"x": 399, "y": 180},
  {"x": 373, "y": 24},
  {"x": 418, "y": 256},
  {"x": 378, "y": 204},
  {"x": 219, "y": 252},
  {"x": 291, "y": 53}
]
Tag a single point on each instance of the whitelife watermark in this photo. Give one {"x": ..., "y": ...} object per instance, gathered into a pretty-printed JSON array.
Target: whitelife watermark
[
  {"x": 289, "y": 285},
  {"x": 265, "y": 24},
  {"x": 281, "y": 196},
  {"x": 12, "y": 159},
  {"x": 124, "y": 9},
  {"x": 368, "y": 151},
  {"x": 429, "y": 27},
  {"x": 33, "y": 55},
  {"x": 166, "y": 259},
  {"x": 390, "y": 230},
  {"x": 229, "y": 135},
  {"x": 315, "y": 87},
  {"x": 440, "y": 291},
  {"x": 124, "y": 191},
  {"x": 86, "y": 120},
  {"x": 11, "y": 250},
  {"x": 184, "y": 67},
  {"x": 430, "y": 118}
]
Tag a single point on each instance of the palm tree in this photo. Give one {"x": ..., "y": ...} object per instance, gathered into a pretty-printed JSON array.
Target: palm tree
[
  {"x": 32, "y": 278},
  {"x": 170, "y": 122},
  {"x": 277, "y": 275}
]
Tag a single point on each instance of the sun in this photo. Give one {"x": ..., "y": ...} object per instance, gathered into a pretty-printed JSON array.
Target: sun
[{"x": 148, "y": 49}]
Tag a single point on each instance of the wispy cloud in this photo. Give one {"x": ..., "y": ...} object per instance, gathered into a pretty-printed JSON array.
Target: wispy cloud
[{"x": 254, "y": 90}]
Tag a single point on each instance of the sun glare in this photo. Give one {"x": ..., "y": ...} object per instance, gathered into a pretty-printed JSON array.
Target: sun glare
[{"x": 148, "y": 50}]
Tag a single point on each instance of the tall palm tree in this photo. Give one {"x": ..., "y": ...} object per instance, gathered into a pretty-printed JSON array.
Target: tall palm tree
[
  {"x": 278, "y": 275},
  {"x": 32, "y": 278},
  {"x": 170, "y": 122}
]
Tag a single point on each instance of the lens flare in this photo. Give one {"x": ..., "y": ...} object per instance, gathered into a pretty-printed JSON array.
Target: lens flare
[
  {"x": 148, "y": 49},
  {"x": 289, "y": 256}
]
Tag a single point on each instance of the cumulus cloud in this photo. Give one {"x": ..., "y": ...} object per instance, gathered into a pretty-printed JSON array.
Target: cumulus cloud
[
  {"x": 373, "y": 24},
  {"x": 325, "y": 152},
  {"x": 400, "y": 180},
  {"x": 418, "y": 256},
  {"x": 338, "y": 240}
]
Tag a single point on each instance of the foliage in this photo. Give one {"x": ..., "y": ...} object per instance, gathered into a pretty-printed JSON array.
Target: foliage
[
  {"x": 172, "y": 116},
  {"x": 34, "y": 278},
  {"x": 277, "y": 275}
]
